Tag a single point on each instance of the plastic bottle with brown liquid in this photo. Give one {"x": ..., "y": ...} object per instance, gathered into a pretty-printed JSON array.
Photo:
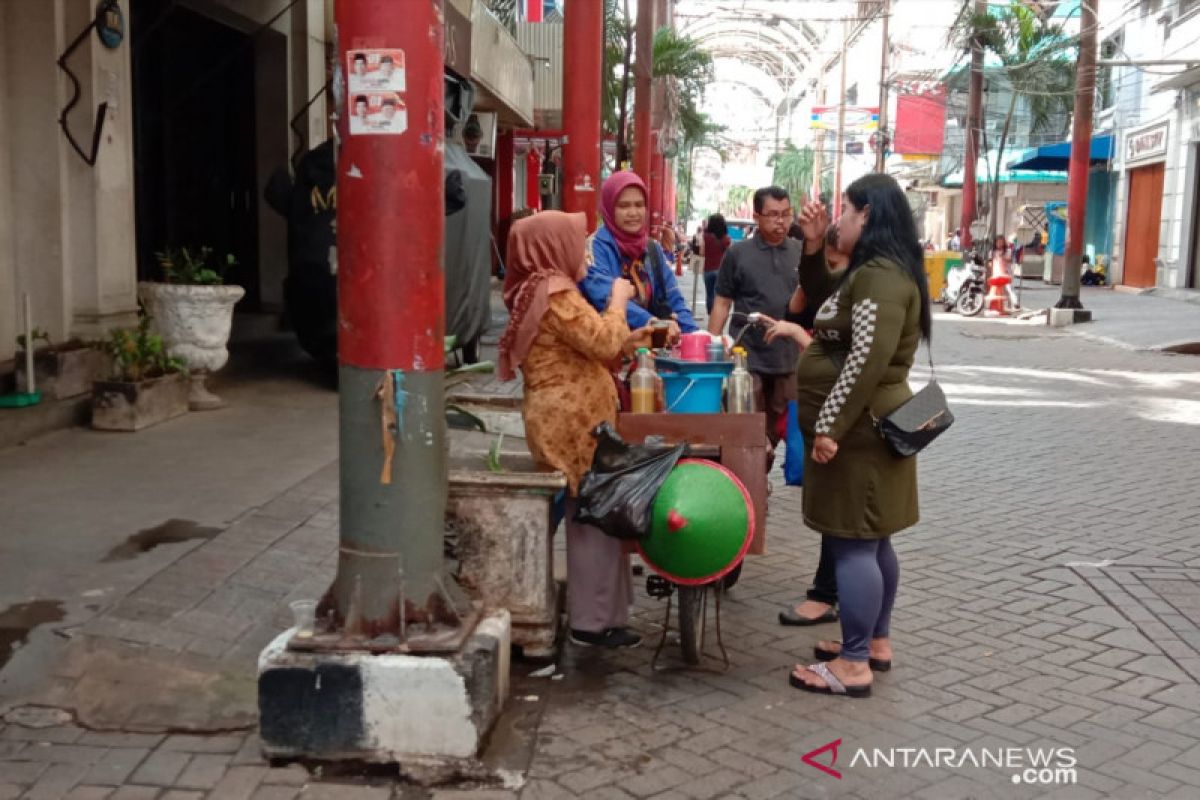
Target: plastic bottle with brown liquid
[{"x": 643, "y": 385}]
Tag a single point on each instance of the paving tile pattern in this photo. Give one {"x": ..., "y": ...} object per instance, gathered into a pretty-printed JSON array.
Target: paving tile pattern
[{"x": 1048, "y": 599}]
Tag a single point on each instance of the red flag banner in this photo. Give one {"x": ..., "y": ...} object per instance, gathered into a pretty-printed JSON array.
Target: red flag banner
[
  {"x": 533, "y": 10},
  {"x": 920, "y": 118}
]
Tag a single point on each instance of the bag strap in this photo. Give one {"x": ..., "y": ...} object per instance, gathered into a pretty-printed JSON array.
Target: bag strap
[{"x": 659, "y": 302}]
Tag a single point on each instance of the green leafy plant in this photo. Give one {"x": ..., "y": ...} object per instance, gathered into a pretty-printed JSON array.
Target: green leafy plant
[
  {"x": 37, "y": 334},
  {"x": 139, "y": 354},
  {"x": 189, "y": 265}
]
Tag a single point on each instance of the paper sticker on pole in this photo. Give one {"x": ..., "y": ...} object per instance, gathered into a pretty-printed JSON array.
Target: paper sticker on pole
[
  {"x": 378, "y": 70},
  {"x": 377, "y": 113}
]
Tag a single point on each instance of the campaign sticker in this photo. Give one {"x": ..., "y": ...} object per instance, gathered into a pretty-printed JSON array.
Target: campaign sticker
[
  {"x": 375, "y": 70},
  {"x": 377, "y": 113}
]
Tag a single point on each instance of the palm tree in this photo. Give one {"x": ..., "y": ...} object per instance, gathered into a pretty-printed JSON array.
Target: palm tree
[
  {"x": 794, "y": 171},
  {"x": 1037, "y": 59},
  {"x": 618, "y": 64},
  {"x": 736, "y": 199},
  {"x": 697, "y": 132}
]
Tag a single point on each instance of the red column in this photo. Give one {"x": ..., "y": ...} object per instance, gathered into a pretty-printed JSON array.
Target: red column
[
  {"x": 974, "y": 125},
  {"x": 657, "y": 170},
  {"x": 1081, "y": 151},
  {"x": 533, "y": 165},
  {"x": 642, "y": 84},
  {"x": 583, "y": 41},
  {"x": 505, "y": 164},
  {"x": 383, "y": 176}
]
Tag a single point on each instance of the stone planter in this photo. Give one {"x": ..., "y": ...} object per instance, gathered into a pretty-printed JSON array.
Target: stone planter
[
  {"x": 194, "y": 323},
  {"x": 121, "y": 406},
  {"x": 499, "y": 529},
  {"x": 64, "y": 371}
]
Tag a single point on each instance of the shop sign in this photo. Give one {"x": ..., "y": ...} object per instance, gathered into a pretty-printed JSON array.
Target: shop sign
[{"x": 1147, "y": 145}]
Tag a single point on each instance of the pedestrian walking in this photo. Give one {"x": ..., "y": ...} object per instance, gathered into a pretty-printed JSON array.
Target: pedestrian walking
[
  {"x": 713, "y": 244},
  {"x": 563, "y": 347},
  {"x": 622, "y": 248},
  {"x": 857, "y": 493},
  {"x": 759, "y": 275}
]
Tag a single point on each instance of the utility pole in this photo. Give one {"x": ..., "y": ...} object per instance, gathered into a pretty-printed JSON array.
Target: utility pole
[
  {"x": 392, "y": 429},
  {"x": 1081, "y": 151},
  {"x": 583, "y": 38},
  {"x": 841, "y": 131},
  {"x": 881, "y": 134},
  {"x": 974, "y": 125},
  {"x": 394, "y": 636},
  {"x": 643, "y": 74}
]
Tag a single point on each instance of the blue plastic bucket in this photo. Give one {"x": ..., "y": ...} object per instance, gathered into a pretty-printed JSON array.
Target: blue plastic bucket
[{"x": 693, "y": 387}]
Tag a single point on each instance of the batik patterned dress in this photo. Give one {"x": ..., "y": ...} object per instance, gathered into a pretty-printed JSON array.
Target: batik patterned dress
[
  {"x": 568, "y": 387},
  {"x": 871, "y": 324}
]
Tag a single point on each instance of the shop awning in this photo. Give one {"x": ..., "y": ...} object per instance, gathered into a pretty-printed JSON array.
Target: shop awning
[{"x": 1058, "y": 156}]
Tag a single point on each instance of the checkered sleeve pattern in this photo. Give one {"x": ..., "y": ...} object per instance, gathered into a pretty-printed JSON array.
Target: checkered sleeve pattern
[{"x": 863, "y": 317}]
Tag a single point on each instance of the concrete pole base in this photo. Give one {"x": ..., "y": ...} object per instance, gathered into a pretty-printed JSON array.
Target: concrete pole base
[
  {"x": 1062, "y": 317},
  {"x": 422, "y": 712}
]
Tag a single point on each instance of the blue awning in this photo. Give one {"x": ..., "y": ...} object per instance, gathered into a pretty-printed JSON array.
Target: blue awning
[{"x": 1058, "y": 156}]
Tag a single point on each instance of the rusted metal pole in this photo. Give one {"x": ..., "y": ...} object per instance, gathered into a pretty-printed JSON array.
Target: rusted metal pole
[
  {"x": 1081, "y": 151},
  {"x": 583, "y": 39},
  {"x": 974, "y": 124},
  {"x": 390, "y": 329}
]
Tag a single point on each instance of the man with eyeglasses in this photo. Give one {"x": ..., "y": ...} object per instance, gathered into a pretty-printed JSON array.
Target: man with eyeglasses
[{"x": 760, "y": 274}]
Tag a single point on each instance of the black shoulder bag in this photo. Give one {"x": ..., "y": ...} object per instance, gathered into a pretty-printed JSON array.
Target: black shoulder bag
[{"x": 917, "y": 421}]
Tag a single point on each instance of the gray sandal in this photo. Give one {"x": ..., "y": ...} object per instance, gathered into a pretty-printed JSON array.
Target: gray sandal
[{"x": 832, "y": 684}]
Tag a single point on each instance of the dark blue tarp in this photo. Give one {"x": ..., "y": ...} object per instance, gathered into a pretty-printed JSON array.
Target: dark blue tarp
[{"x": 1058, "y": 156}]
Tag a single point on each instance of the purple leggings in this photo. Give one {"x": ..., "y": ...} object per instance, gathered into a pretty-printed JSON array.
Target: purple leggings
[{"x": 867, "y": 576}]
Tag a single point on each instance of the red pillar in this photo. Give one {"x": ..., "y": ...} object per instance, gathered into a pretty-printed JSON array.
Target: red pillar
[
  {"x": 657, "y": 173},
  {"x": 505, "y": 164},
  {"x": 533, "y": 166},
  {"x": 643, "y": 70},
  {"x": 1081, "y": 151},
  {"x": 974, "y": 125},
  {"x": 583, "y": 40}
]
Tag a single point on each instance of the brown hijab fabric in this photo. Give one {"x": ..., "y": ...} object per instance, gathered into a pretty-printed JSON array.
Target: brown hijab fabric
[{"x": 545, "y": 253}]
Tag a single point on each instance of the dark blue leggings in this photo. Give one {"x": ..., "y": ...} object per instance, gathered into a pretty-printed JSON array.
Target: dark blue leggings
[{"x": 867, "y": 575}]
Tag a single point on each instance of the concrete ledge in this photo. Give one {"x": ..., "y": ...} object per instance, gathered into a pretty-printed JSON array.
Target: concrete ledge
[
  {"x": 1062, "y": 317},
  {"x": 423, "y": 711}
]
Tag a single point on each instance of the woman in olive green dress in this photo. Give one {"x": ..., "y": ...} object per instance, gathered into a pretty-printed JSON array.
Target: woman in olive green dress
[{"x": 857, "y": 493}]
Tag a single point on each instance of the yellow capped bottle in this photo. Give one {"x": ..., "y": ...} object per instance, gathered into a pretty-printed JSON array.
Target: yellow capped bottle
[{"x": 643, "y": 384}]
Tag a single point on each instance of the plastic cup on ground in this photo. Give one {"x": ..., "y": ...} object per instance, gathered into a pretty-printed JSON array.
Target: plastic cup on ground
[{"x": 304, "y": 617}]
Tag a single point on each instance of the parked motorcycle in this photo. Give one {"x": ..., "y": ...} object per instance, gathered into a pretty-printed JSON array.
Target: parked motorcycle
[{"x": 966, "y": 287}]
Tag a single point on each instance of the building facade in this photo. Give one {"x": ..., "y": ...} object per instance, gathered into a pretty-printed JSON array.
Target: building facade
[{"x": 1153, "y": 109}]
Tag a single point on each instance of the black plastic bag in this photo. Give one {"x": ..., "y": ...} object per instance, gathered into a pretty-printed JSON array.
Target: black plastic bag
[{"x": 617, "y": 493}]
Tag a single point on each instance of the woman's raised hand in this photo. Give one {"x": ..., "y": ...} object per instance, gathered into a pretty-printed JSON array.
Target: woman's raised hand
[
  {"x": 638, "y": 337},
  {"x": 622, "y": 292},
  {"x": 814, "y": 221}
]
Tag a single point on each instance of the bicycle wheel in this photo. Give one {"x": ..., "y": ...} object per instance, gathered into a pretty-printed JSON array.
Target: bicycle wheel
[{"x": 692, "y": 603}]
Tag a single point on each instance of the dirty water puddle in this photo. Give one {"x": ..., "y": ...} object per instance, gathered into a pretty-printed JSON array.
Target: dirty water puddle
[
  {"x": 173, "y": 531},
  {"x": 18, "y": 621}
]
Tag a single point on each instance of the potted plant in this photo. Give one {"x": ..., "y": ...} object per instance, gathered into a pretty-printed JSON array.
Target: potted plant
[
  {"x": 147, "y": 385},
  {"x": 60, "y": 370},
  {"x": 192, "y": 310}
]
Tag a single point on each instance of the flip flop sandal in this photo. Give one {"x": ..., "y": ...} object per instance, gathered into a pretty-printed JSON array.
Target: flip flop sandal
[
  {"x": 832, "y": 684},
  {"x": 876, "y": 664},
  {"x": 790, "y": 617}
]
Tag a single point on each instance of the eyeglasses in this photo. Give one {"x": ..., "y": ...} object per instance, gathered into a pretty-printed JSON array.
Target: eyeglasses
[{"x": 777, "y": 216}]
